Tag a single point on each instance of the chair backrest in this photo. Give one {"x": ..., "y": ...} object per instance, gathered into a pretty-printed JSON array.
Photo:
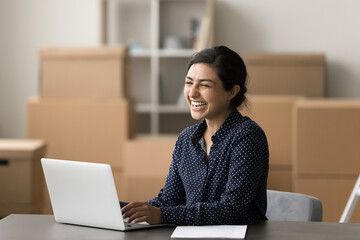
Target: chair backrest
[{"x": 287, "y": 206}]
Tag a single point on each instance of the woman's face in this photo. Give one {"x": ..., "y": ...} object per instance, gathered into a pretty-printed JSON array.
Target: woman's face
[{"x": 205, "y": 93}]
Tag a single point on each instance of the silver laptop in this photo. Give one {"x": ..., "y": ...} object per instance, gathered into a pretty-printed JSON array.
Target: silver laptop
[{"x": 84, "y": 193}]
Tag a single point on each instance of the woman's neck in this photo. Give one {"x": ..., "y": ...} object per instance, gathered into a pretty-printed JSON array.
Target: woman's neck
[{"x": 214, "y": 124}]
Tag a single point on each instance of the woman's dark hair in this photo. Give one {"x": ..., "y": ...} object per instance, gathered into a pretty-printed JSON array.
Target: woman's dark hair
[{"x": 229, "y": 67}]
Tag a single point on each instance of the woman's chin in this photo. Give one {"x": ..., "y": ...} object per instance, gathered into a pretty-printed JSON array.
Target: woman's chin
[{"x": 197, "y": 115}]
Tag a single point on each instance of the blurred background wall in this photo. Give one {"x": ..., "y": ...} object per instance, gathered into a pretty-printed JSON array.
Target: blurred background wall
[
  {"x": 320, "y": 26},
  {"x": 25, "y": 26}
]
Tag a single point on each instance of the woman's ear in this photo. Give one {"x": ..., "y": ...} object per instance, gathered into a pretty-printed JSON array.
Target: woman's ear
[{"x": 234, "y": 91}]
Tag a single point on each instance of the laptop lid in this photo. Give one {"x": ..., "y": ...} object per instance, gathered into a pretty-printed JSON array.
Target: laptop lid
[{"x": 83, "y": 193}]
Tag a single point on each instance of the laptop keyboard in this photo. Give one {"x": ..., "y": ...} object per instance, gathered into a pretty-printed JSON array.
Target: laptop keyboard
[{"x": 133, "y": 224}]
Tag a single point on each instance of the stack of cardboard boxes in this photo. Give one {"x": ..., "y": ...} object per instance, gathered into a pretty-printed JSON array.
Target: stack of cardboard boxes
[
  {"x": 314, "y": 141},
  {"x": 83, "y": 112},
  {"x": 287, "y": 74},
  {"x": 327, "y": 152}
]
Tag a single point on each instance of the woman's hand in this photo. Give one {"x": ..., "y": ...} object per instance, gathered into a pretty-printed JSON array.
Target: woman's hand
[{"x": 142, "y": 211}]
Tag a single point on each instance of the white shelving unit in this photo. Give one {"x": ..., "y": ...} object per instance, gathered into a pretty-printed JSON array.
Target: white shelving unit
[{"x": 158, "y": 71}]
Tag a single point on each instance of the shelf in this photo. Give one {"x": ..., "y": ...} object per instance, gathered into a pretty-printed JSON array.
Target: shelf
[
  {"x": 160, "y": 34},
  {"x": 175, "y": 53},
  {"x": 173, "y": 108},
  {"x": 140, "y": 53},
  {"x": 127, "y": 22},
  {"x": 164, "y": 108},
  {"x": 163, "y": 53},
  {"x": 144, "y": 108}
]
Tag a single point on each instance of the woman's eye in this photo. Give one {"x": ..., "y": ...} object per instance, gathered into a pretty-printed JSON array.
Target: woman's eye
[
  {"x": 204, "y": 85},
  {"x": 188, "y": 83}
]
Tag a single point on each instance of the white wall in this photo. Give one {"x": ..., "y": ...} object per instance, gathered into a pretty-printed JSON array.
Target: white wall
[
  {"x": 321, "y": 26},
  {"x": 26, "y": 26}
]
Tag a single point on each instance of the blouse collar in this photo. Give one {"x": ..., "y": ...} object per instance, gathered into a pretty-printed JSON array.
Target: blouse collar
[{"x": 234, "y": 117}]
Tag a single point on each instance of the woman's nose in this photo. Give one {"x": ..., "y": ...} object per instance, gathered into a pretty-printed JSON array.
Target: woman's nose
[{"x": 193, "y": 91}]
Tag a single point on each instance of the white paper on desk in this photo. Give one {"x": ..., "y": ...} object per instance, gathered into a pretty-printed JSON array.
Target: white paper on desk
[{"x": 211, "y": 231}]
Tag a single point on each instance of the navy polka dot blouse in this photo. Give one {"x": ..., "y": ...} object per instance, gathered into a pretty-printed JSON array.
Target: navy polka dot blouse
[{"x": 228, "y": 188}]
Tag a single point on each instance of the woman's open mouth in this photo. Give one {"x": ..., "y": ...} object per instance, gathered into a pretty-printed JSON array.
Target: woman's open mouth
[{"x": 198, "y": 105}]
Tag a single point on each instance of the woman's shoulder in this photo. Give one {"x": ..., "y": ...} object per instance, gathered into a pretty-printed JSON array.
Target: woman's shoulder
[
  {"x": 246, "y": 126},
  {"x": 186, "y": 137},
  {"x": 188, "y": 132},
  {"x": 248, "y": 134}
]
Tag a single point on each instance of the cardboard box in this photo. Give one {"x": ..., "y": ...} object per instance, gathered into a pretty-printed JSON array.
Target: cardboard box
[
  {"x": 280, "y": 178},
  {"x": 146, "y": 164},
  {"x": 84, "y": 72},
  {"x": 143, "y": 153},
  {"x": 81, "y": 130},
  {"x": 142, "y": 188},
  {"x": 120, "y": 184},
  {"x": 333, "y": 192},
  {"x": 20, "y": 176},
  {"x": 286, "y": 74},
  {"x": 274, "y": 115},
  {"x": 327, "y": 137}
]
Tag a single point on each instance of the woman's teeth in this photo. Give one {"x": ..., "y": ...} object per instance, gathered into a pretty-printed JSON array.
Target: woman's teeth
[{"x": 198, "y": 104}]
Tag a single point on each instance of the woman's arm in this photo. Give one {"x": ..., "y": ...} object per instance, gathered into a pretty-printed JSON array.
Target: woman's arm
[{"x": 173, "y": 192}]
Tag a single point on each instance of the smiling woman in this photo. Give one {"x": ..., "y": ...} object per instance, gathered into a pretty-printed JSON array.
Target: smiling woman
[
  {"x": 205, "y": 94},
  {"x": 219, "y": 170}
]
